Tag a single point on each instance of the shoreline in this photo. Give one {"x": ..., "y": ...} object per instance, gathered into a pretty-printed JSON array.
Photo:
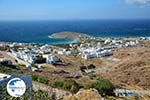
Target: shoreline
[
  {"x": 80, "y": 35},
  {"x": 73, "y": 37}
]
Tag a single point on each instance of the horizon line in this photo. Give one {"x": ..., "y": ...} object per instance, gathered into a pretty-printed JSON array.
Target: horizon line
[{"x": 72, "y": 19}]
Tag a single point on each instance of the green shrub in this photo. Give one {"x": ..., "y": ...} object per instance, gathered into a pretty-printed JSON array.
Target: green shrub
[
  {"x": 87, "y": 86},
  {"x": 104, "y": 87},
  {"x": 8, "y": 70},
  {"x": 43, "y": 80},
  {"x": 67, "y": 84},
  {"x": 58, "y": 84},
  {"x": 71, "y": 85},
  {"x": 40, "y": 79},
  {"x": 34, "y": 77}
]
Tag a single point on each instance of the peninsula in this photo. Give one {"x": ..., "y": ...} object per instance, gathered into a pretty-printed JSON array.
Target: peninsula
[{"x": 72, "y": 35}]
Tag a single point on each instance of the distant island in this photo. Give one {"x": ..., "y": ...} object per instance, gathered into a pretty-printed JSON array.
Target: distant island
[{"x": 72, "y": 35}]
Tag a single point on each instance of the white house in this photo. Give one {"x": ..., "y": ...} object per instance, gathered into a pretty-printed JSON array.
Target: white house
[
  {"x": 145, "y": 38},
  {"x": 63, "y": 52},
  {"x": 29, "y": 57},
  {"x": 105, "y": 53},
  {"x": 130, "y": 44},
  {"x": 47, "y": 57},
  {"x": 89, "y": 55},
  {"x": 51, "y": 59},
  {"x": 44, "y": 47},
  {"x": 29, "y": 66},
  {"x": 107, "y": 41}
]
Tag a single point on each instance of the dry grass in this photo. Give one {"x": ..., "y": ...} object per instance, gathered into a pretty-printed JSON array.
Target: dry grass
[{"x": 133, "y": 69}]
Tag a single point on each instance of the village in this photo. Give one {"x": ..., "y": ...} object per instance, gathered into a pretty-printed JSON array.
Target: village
[
  {"x": 51, "y": 60},
  {"x": 88, "y": 48}
]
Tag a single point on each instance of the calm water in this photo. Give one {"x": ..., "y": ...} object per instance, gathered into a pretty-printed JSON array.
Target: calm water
[{"x": 38, "y": 31}]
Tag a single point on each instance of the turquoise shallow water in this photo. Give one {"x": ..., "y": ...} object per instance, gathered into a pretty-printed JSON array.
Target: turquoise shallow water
[{"x": 38, "y": 31}]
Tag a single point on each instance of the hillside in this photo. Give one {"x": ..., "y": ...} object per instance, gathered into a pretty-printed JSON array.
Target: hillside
[
  {"x": 134, "y": 68},
  {"x": 91, "y": 94}
]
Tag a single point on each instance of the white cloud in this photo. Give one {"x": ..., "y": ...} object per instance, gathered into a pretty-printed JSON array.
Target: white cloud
[{"x": 139, "y": 2}]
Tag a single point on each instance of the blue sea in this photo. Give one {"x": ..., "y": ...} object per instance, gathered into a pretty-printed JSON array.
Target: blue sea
[{"x": 38, "y": 31}]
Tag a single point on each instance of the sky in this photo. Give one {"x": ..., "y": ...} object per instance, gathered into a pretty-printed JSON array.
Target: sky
[{"x": 74, "y": 9}]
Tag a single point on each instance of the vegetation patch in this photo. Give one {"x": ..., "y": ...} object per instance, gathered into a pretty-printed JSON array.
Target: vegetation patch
[
  {"x": 40, "y": 79},
  {"x": 8, "y": 70},
  {"x": 104, "y": 86},
  {"x": 67, "y": 84}
]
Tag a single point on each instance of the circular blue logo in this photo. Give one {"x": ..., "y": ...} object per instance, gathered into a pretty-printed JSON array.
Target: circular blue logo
[{"x": 16, "y": 87}]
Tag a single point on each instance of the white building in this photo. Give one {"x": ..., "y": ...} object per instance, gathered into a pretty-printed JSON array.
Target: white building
[
  {"x": 63, "y": 52},
  {"x": 105, "y": 53},
  {"x": 24, "y": 55},
  {"x": 51, "y": 59},
  {"x": 90, "y": 55},
  {"x": 130, "y": 44},
  {"x": 107, "y": 41},
  {"x": 96, "y": 54}
]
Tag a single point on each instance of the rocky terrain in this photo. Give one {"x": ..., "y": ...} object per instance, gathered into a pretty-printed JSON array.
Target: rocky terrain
[{"x": 91, "y": 94}]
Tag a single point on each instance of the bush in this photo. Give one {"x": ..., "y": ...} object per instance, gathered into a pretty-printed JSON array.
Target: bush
[
  {"x": 8, "y": 70},
  {"x": 58, "y": 84},
  {"x": 104, "y": 87},
  {"x": 34, "y": 77},
  {"x": 40, "y": 95},
  {"x": 87, "y": 86},
  {"x": 43, "y": 80},
  {"x": 40, "y": 79},
  {"x": 71, "y": 85},
  {"x": 67, "y": 84}
]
